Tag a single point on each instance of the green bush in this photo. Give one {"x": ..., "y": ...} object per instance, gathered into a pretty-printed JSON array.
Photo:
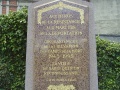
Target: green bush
[
  {"x": 108, "y": 54},
  {"x": 13, "y": 28}
]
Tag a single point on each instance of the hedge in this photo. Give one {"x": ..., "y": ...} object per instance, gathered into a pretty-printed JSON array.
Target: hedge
[
  {"x": 13, "y": 28},
  {"x": 108, "y": 56}
]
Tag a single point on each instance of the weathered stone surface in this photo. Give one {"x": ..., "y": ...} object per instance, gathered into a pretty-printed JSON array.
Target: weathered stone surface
[
  {"x": 107, "y": 15},
  {"x": 59, "y": 48}
]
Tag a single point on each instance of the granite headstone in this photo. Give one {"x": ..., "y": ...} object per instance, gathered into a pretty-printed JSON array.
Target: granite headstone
[{"x": 61, "y": 47}]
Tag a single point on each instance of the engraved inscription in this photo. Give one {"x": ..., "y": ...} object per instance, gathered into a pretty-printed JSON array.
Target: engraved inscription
[
  {"x": 60, "y": 5},
  {"x": 61, "y": 60},
  {"x": 61, "y": 87}
]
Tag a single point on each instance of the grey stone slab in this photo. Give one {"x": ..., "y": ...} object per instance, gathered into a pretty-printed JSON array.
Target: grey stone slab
[{"x": 61, "y": 50}]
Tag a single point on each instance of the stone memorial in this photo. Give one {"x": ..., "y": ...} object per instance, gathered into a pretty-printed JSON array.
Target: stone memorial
[{"x": 61, "y": 46}]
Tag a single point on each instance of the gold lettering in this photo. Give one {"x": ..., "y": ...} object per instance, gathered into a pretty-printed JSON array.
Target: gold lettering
[
  {"x": 53, "y": 16},
  {"x": 71, "y": 27},
  {"x": 54, "y": 68},
  {"x": 63, "y": 79},
  {"x": 54, "y": 33},
  {"x": 50, "y": 27},
  {"x": 61, "y": 63},
  {"x": 68, "y": 80},
  {"x": 61, "y": 16},
  {"x": 68, "y": 56},
  {"x": 67, "y": 46},
  {"x": 43, "y": 22},
  {"x": 50, "y": 22},
  {"x": 45, "y": 68},
  {"x": 61, "y": 73},
  {"x": 60, "y": 27},
  {"x": 70, "y": 68},
  {"x": 62, "y": 51},
  {"x": 53, "y": 55},
  {"x": 65, "y": 22},
  {"x": 60, "y": 41}
]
